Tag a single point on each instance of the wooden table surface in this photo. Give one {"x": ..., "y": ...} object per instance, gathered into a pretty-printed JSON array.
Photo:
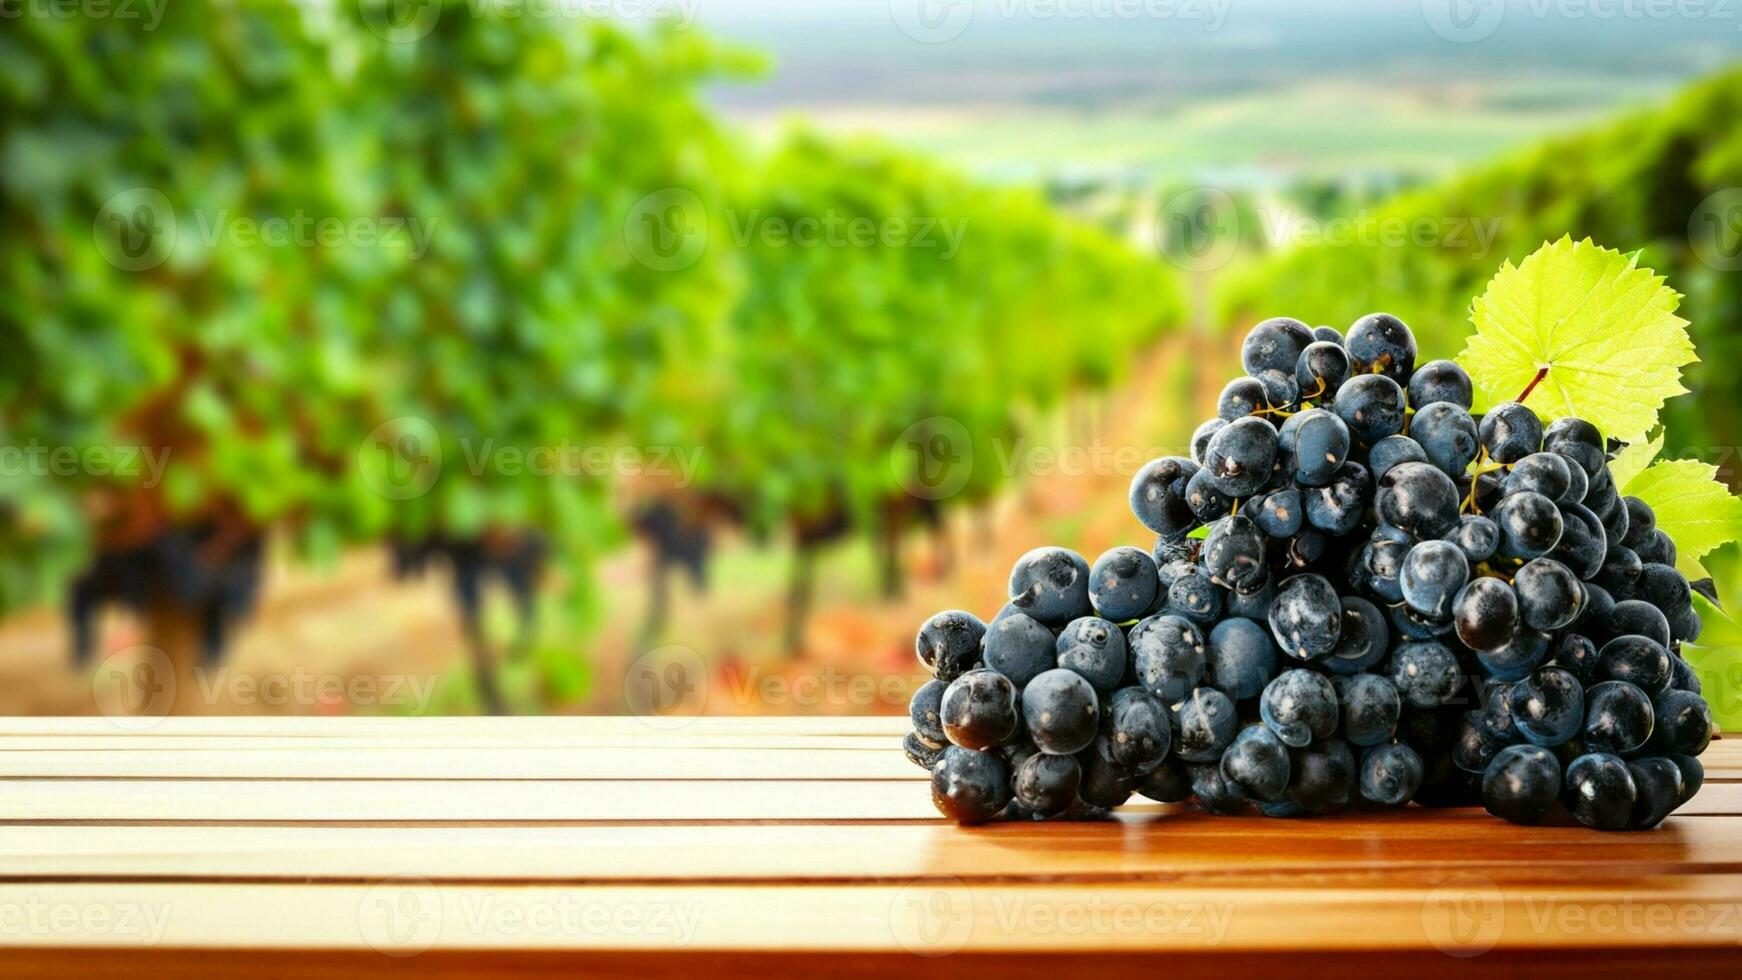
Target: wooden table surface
[{"x": 609, "y": 846}]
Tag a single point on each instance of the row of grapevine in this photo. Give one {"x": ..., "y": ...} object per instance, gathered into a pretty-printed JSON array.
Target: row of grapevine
[{"x": 499, "y": 193}]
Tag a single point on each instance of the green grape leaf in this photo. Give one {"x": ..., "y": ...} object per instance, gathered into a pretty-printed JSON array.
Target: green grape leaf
[
  {"x": 1633, "y": 460},
  {"x": 1693, "y": 508},
  {"x": 1600, "y": 331}
]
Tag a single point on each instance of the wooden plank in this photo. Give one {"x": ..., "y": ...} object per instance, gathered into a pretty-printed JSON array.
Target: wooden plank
[{"x": 303, "y": 726}]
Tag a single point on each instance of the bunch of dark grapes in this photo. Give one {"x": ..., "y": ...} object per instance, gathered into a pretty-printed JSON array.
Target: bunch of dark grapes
[{"x": 1361, "y": 595}]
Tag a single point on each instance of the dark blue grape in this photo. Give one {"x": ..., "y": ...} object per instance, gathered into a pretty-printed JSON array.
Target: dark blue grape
[
  {"x": 1599, "y": 791},
  {"x": 1338, "y": 508},
  {"x": 1195, "y": 596},
  {"x": 1486, "y": 614},
  {"x": 925, "y": 711},
  {"x": 1167, "y": 783},
  {"x": 1420, "y": 499},
  {"x": 918, "y": 752},
  {"x": 1620, "y": 573},
  {"x": 1234, "y": 552},
  {"x": 1546, "y": 473},
  {"x": 1382, "y": 562},
  {"x": 1657, "y": 548},
  {"x": 1380, "y": 342},
  {"x": 1201, "y": 438},
  {"x": 1051, "y": 585},
  {"x": 1139, "y": 729},
  {"x": 1447, "y": 435},
  {"x": 1567, "y": 430},
  {"x": 1548, "y": 706},
  {"x": 1510, "y": 432},
  {"x": 1426, "y": 673},
  {"x": 1391, "y": 451},
  {"x": 1274, "y": 344},
  {"x": 1433, "y": 574},
  {"x": 1123, "y": 584},
  {"x": 1521, "y": 784},
  {"x": 1578, "y": 484},
  {"x": 1214, "y": 793},
  {"x": 1323, "y": 778},
  {"x": 1203, "y": 725},
  {"x": 1280, "y": 389},
  {"x": 1047, "y": 784},
  {"x": 1577, "y": 654},
  {"x": 1638, "y": 660},
  {"x": 1412, "y": 625},
  {"x": 1240, "y": 398},
  {"x": 1476, "y": 745},
  {"x": 1106, "y": 783},
  {"x": 1441, "y": 381},
  {"x": 1313, "y": 445},
  {"x": 1550, "y": 596},
  {"x": 1685, "y": 625},
  {"x": 1476, "y": 536},
  {"x": 1618, "y": 718},
  {"x": 1331, "y": 334},
  {"x": 1657, "y": 787},
  {"x": 1391, "y": 774},
  {"x": 1094, "y": 648},
  {"x": 1206, "y": 501},
  {"x": 1061, "y": 712},
  {"x": 1693, "y": 776},
  {"x": 1519, "y": 656},
  {"x": 1241, "y": 659},
  {"x": 1636, "y": 617},
  {"x": 1253, "y": 605},
  {"x": 1258, "y": 763},
  {"x": 1583, "y": 543},
  {"x": 1307, "y": 617},
  {"x": 1020, "y": 648},
  {"x": 1167, "y": 655},
  {"x": 949, "y": 643},
  {"x": 1371, "y": 707},
  {"x": 970, "y": 787},
  {"x": 1664, "y": 587},
  {"x": 1241, "y": 456},
  {"x": 1322, "y": 368},
  {"x": 1530, "y": 526},
  {"x": 1641, "y": 522},
  {"x": 1372, "y": 406},
  {"x": 1363, "y": 640},
  {"x": 1299, "y": 706},
  {"x": 1683, "y": 724},
  {"x": 979, "y": 709},
  {"x": 1280, "y": 513}
]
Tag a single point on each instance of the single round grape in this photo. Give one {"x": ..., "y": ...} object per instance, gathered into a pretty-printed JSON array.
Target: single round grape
[
  {"x": 1167, "y": 783},
  {"x": 1412, "y": 625},
  {"x": 1476, "y": 745},
  {"x": 1641, "y": 521},
  {"x": 1299, "y": 706},
  {"x": 949, "y": 643},
  {"x": 1530, "y": 525},
  {"x": 1167, "y": 655},
  {"x": 925, "y": 711},
  {"x": 1051, "y": 585},
  {"x": 1578, "y": 484},
  {"x": 1094, "y": 648},
  {"x": 1583, "y": 543},
  {"x": 1664, "y": 587},
  {"x": 1201, "y": 438},
  {"x": 979, "y": 709},
  {"x": 1545, "y": 473},
  {"x": 1258, "y": 762},
  {"x": 1636, "y": 617},
  {"x": 1510, "y": 432},
  {"x": 1620, "y": 574},
  {"x": 1517, "y": 657},
  {"x": 1433, "y": 574},
  {"x": 1693, "y": 776},
  {"x": 1548, "y": 706},
  {"x": 1279, "y": 513},
  {"x": 1280, "y": 389},
  {"x": 1521, "y": 784},
  {"x": 1240, "y": 398},
  {"x": 1486, "y": 614},
  {"x": 1372, "y": 406},
  {"x": 1312, "y": 445},
  {"x": 1307, "y": 617},
  {"x": 1683, "y": 724},
  {"x": 1020, "y": 648},
  {"x": 1391, "y": 451},
  {"x": 1241, "y": 659},
  {"x": 1419, "y": 499},
  {"x": 1061, "y": 712},
  {"x": 1657, "y": 786},
  {"x": 1214, "y": 792},
  {"x": 1577, "y": 654},
  {"x": 1234, "y": 552},
  {"x": 1047, "y": 784},
  {"x": 968, "y": 786},
  {"x": 1550, "y": 596},
  {"x": 1657, "y": 548},
  {"x": 1203, "y": 725},
  {"x": 1380, "y": 342},
  {"x": 1323, "y": 778},
  {"x": 1106, "y": 783},
  {"x": 1331, "y": 334},
  {"x": 1194, "y": 595},
  {"x": 1240, "y": 456},
  {"x": 1139, "y": 729},
  {"x": 1476, "y": 536},
  {"x": 1123, "y": 584},
  {"x": 1254, "y": 605},
  {"x": 1599, "y": 791},
  {"x": 1205, "y": 500},
  {"x": 1339, "y": 507},
  {"x": 1275, "y": 344},
  {"x": 1371, "y": 707},
  {"x": 1618, "y": 718},
  {"x": 1572, "y": 430},
  {"x": 1391, "y": 774},
  {"x": 1441, "y": 381},
  {"x": 1363, "y": 640},
  {"x": 1426, "y": 673},
  {"x": 1638, "y": 660},
  {"x": 1321, "y": 369},
  {"x": 1587, "y": 457},
  {"x": 1447, "y": 435},
  {"x": 918, "y": 752},
  {"x": 1685, "y": 625}
]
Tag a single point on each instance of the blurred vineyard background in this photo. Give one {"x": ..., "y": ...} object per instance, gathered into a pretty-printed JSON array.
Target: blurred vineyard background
[{"x": 463, "y": 357}]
